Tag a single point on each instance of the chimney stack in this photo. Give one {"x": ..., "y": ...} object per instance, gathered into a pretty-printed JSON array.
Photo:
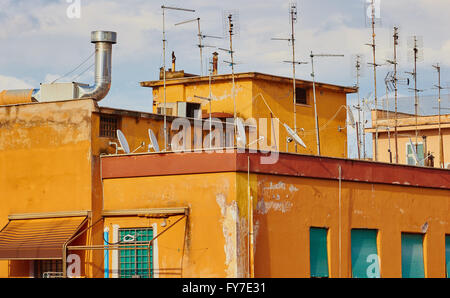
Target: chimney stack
[
  {"x": 173, "y": 61},
  {"x": 215, "y": 62}
]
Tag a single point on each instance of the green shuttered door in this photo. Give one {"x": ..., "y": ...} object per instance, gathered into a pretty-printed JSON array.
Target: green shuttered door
[
  {"x": 412, "y": 256},
  {"x": 365, "y": 262},
  {"x": 318, "y": 252}
]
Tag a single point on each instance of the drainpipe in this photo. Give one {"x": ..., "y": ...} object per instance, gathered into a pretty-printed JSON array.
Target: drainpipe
[{"x": 103, "y": 41}]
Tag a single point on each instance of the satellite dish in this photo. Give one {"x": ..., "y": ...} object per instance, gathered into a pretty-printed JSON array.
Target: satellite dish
[
  {"x": 241, "y": 137},
  {"x": 294, "y": 135},
  {"x": 414, "y": 151},
  {"x": 123, "y": 142},
  {"x": 350, "y": 117},
  {"x": 153, "y": 141}
]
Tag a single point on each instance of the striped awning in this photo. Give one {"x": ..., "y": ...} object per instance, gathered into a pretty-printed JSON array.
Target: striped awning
[{"x": 36, "y": 239}]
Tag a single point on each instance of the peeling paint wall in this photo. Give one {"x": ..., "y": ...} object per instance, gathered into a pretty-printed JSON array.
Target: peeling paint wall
[{"x": 45, "y": 159}]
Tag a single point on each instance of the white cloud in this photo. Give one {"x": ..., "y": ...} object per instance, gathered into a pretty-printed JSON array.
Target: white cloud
[{"x": 7, "y": 82}]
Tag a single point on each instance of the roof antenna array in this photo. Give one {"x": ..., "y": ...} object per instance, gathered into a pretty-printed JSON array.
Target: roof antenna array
[
  {"x": 375, "y": 65},
  {"x": 231, "y": 23},
  {"x": 164, "y": 63},
  {"x": 200, "y": 40},
  {"x": 293, "y": 14},
  {"x": 415, "y": 44}
]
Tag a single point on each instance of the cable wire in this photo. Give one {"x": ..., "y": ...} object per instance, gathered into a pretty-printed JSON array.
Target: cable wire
[{"x": 87, "y": 59}]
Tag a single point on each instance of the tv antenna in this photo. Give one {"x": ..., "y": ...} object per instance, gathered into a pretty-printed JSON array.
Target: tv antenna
[
  {"x": 153, "y": 141},
  {"x": 316, "y": 117},
  {"x": 441, "y": 143},
  {"x": 293, "y": 14},
  {"x": 164, "y": 63},
  {"x": 414, "y": 42},
  {"x": 200, "y": 40},
  {"x": 230, "y": 17},
  {"x": 365, "y": 108},
  {"x": 375, "y": 65},
  {"x": 358, "y": 125}
]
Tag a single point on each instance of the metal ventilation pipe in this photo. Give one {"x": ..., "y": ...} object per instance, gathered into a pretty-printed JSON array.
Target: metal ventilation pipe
[{"x": 103, "y": 41}]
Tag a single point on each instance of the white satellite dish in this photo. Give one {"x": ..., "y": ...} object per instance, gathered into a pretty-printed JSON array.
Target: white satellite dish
[
  {"x": 413, "y": 148},
  {"x": 123, "y": 142},
  {"x": 241, "y": 137},
  {"x": 350, "y": 117},
  {"x": 153, "y": 141},
  {"x": 294, "y": 135}
]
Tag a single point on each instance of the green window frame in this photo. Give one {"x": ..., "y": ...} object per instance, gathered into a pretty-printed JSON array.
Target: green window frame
[
  {"x": 447, "y": 255},
  {"x": 318, "y": 252},
  {"x": 412, "y": 256},
  {"x": 365, "y": 260},
  {"x": 135, "y": 262}
]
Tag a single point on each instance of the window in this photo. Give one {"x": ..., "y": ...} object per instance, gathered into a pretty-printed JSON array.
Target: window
[
  {"x": 48, "y": 268},
  {"x": 138, "y": 261},
  {"x": 109, "y": 124},
  {"x": 410, "y": 155},
  {"x": 301, "y": 96},
  {"x": 318, "y": 252},
  {"x": 447, "y": 255},
  {"x": 412, "y": 256},
  {"x": 365, "y": 262}
]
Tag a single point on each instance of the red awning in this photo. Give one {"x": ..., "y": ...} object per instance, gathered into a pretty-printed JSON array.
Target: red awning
[{"x": 37, "y": 238}]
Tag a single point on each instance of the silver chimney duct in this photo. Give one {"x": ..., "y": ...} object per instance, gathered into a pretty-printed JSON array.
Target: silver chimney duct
[
  {"x": 66, "y": 91},
  {"x": 103, "y": 41}
]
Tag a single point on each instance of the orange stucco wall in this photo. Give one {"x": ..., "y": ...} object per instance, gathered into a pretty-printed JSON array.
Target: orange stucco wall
[
  {"x": 209, "y": 236},
  {"x": 284, "y": 209}
]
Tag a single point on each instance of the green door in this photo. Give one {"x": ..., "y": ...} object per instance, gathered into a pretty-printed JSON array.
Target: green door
[
  {"x": 365, "y": 261},
  {"x": 412, "y": 256},
  {"x": 318, "y": 252}
]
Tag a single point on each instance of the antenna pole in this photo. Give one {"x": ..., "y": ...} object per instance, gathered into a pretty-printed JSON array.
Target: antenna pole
[
  {"x": 164, "y": 64},
  {"x": 200, "y": 46},
  {"x": 316, "y": 120},
  {"x": 293, "y": 19},
  {"x": 364, "y": 134},
  {"x": 441, "y": 143},
  {"x": 375, "y": 77},
  {"x": 210, "y": 105},
  {"x": 358, "y": 135},
  {"x": 164, "y": 77},
  {"x": 416, "y": 100},
  {"x": 396, "y": 93},
  {"x": 316, "y": 117},
  {"x": 388, "y": 127},
  {"x": 230, "y": 23}
]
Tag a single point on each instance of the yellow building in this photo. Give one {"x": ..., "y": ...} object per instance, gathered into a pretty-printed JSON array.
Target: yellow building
[
  {"x": 263, "y": 96},
  {"x": 428, "y": 141}
]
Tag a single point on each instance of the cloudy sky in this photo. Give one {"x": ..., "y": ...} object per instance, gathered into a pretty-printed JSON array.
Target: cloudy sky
[{"x": 40, "y": 43}]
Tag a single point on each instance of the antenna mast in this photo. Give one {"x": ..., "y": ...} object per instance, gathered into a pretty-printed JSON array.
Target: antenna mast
[
  {"x": 164, "y": 64},
  {"x": 375, "y": 65},
  {"x": 396, "y": 93},
  {"x": 358, "y": 124},
  {"x": 293, "y": 19},
  {"x": 316, "y": 117},
  {"x": 441, "y": 143},
  {"x": 416, "y": 91}
]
